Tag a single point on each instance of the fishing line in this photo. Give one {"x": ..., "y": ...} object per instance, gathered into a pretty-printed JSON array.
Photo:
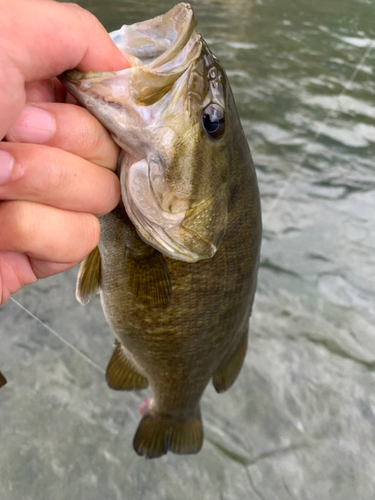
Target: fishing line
[
  {"x": 347, "y": 87},
  {"x": 64, "y": 341}
]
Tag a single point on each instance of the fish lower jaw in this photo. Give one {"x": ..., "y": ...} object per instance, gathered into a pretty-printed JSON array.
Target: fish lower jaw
[
  {"x": 165, "y": 238},
  {"x": 159, "y": 239}
]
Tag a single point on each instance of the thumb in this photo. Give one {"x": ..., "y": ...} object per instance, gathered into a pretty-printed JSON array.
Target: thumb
[{"x": 42, "y": 38}]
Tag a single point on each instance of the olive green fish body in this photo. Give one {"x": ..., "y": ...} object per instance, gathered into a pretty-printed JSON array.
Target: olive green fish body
[{"x": 177, "y": 261}]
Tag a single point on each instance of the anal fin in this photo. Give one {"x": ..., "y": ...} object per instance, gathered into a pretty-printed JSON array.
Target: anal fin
[
  {"x": 148, "y": 278},
  {"x": 121, "y": 374},
  {"x": 227, "y": 373},
  {"x": 88, "y": 280},
  {"x": 157, "y": 434},
  {"x": 3, "y": 380}
]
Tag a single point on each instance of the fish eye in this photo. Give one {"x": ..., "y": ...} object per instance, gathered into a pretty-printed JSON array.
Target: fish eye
[{"x": 213, "y": 121}]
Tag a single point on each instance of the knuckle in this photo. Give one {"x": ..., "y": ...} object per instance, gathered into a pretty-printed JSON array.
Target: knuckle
[
  {"x": 111, "y": 197},
  {"x": 93, "y": 136},
  {"x": 100, "y": 140},
  {"x": 18, "y": 226},
  {"x": 95, "y": 231},
  {"x": 90, "y": 232},
  {"x": 88, "y": 20},
  {"x": 47, "y": 160},
  {"x": 82, "y": 13},
  {"x": 114, "y": 194},
  {"x": 95, "y": 142},
  {"x": 59, "y": 179},
  {"x": 79, "y": 234},
  {"x": 54, "y": 179}
]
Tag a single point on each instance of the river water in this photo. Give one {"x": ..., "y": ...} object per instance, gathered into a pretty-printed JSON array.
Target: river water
[{"x": 299, "y": 424}]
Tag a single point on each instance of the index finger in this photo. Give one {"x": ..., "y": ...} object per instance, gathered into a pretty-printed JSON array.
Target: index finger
[{"x": 42, "y": 38}]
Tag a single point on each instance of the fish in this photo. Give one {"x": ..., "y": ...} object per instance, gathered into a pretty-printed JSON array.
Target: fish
[{"x": 177, "y": 261}]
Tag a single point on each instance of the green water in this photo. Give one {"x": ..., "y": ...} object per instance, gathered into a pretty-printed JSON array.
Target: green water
[{"x": 299, "y": 424}]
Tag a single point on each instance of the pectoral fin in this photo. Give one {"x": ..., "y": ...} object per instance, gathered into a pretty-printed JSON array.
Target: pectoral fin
[
  {"x": 3, "y": 380},
  {"x": 148, "y": 278},
  {"x": 225, "y": 376},
  {"x": 121, "y": 374},
  {"x": 88, "y": 280}
]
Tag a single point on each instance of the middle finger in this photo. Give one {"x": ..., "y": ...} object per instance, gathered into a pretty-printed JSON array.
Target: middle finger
[
  {"x": 57, "y": 178},
  {"x": 68, "y": 127}
]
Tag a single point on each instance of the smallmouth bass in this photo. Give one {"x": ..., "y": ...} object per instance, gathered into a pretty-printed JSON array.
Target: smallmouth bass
[{"x": 177, "y": 261}]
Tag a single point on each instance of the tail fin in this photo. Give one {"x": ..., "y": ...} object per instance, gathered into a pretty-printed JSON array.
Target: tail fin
[{"x": 158, "y": 434}]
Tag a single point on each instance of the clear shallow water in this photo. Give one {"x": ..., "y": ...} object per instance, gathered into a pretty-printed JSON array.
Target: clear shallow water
[{"x": 300, "y": 421}]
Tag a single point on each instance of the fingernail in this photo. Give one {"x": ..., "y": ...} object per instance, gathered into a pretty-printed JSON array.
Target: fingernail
[
  {"x": 33, "y": 125},
  {"x": 6, "y": 166}
]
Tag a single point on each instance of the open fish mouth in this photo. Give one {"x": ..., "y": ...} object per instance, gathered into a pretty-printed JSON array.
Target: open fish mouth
[
  {"x": 157, "y": 41},
  {"x": 159, "y": 52}
]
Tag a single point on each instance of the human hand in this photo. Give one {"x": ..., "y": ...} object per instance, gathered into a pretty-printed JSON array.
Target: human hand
[{"x": 57, "y": 162}]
